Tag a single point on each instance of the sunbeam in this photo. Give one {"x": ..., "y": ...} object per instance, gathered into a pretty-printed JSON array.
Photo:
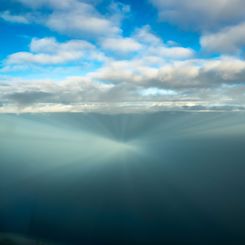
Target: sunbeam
[{"x": 167, "y": 170}]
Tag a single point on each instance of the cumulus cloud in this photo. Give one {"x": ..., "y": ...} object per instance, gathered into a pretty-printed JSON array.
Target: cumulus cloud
[
  {"x": 121, "y": 45},
  {"x": 152, "y": 73},
  {"x": 76, "y": 18},
  {"x": 68, "y": 91},
  {"x": 147, "y": 52},
  {"x": 79, "y": 22},
  {"x": 143, "y": 42},
  {"x": 133, "y": 71},
  {"x": 185, "y": 84},
  {"x": 47, "y": 51},
  {"x": 153, "y": 45},
  {"x": 220, "y": 22},
  {"x": 199, "y": 14},
  {"x": 227, "y": 40},
  {"x": 177, "y": 75}
]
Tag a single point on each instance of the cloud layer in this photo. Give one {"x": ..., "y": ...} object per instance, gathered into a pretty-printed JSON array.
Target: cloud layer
[{"x": 88, "y": 62}]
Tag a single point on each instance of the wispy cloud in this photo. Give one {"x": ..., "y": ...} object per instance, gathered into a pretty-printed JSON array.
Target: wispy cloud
[{"x": 9, "y": 17}]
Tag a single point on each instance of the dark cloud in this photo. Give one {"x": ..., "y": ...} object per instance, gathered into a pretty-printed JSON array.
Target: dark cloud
[{"x": 28, "y": 97}]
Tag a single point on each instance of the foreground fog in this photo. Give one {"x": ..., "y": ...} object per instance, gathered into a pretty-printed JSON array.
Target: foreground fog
[{"x": 154, "y": 178}]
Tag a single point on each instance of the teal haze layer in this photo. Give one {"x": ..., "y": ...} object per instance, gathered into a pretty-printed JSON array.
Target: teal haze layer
[{"x": 154, "y": 178}]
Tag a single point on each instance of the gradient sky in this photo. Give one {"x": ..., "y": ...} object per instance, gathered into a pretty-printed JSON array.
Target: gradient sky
[{"x": 76, "y": 55}]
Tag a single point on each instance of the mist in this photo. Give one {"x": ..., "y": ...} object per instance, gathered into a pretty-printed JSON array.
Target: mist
[{"x": 153, "y": 178}]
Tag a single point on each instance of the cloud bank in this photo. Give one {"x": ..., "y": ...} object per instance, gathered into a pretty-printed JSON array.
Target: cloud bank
[{"x": 86, "y": 62}]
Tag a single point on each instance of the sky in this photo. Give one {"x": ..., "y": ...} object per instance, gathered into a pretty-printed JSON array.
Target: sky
[{"x": 129, "y": 55}]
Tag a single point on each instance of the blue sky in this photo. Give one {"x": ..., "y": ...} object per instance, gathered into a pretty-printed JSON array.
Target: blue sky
[{"x": 74, "y": 55}]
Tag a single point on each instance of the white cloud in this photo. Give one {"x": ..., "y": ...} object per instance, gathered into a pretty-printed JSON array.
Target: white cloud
[
  {"x": 47, "y": 51},
  {"x": 72, "y": 17},
  {"x": 76, "y": 18},
  {"x": 172, "y": 52},
  {"x": 157, "y": 71},
  {"x": 80, "y": 22},
  {"x": 127, "y": 70},
  {"x": 149, "y": 55},
  {"x": 180, "y": 75},
  {"x": 144, "y": 43},
  {"x": 200, "y": 14},
  {"x": 7, "y": 16},
  {"x": 133, "y": 85},
  {"x": 228, "y": 40},
  {"x": 154, "y": 46},
  {"x": 121, "y": 45},
  {"x": 220, "y": 22}
]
